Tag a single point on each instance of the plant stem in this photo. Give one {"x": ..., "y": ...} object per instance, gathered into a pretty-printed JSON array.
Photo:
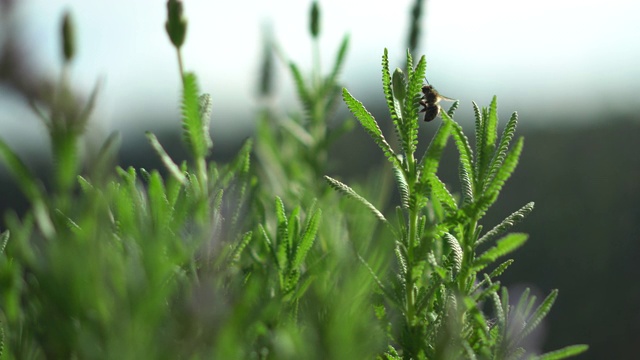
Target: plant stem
[
  {"x": 412, "y": 240},
  {"x": 180, "y": 65}
]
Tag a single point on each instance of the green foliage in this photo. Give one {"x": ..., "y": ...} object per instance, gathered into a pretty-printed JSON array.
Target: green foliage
[
  {"x": 203, "y": 263},
  {"x": 436, "y": 288}
]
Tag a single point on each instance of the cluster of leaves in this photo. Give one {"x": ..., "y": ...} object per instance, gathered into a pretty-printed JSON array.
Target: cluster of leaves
[
  {"x": 205, "y": 262},
  {"x": 438, "y": 287}
]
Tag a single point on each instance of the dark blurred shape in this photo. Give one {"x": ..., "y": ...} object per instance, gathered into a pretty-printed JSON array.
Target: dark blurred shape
[
  {"x": 17, "y": 73},
  {"x": 314, "y": 25},
  {"x": 267, "y": 66},
  {"x": 7, "y": 5},
  {"x": 68, "y": 37},
  {"x": 415, "y": 29},
  {"x": 176, "y": 24}
]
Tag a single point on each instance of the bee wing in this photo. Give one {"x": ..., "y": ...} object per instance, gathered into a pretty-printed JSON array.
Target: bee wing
[{"x": 446, "y": 98}]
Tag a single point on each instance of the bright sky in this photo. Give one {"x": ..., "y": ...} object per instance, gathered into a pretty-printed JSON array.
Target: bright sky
[{"x": 540, "y": 57}]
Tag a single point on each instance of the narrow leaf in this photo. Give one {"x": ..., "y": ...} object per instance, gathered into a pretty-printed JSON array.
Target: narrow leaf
[
  {"x": 21, "y": 173},
  {"x": 349, "y": 192},
  {"x": 503, "y": 247},
  {"x": 396, "y": 115},
  {"x": 462, "y": 143},
  {"x": 505, "y": 171},
  {"x": 440, "y": 192},
  {"x": 337, "y": 66},
  {"x": 193, "y": 129},
  {"x": 456, "y": 250},
  {"x": 506, "y": 224},
  {"x": 403, "y": 187},
  {"x": 412, "y": 106},
  {"x": 301, "y": 87},
  {"x": 431, "y": 158},
  {"x": 307, "y": 239},
  {"x": 205, "y": 107},
  {"x": 4, "y": 238},
  {"x": 283, "y": 242},
  {"x": 503, "y": 147},
  {"x": 241, "y": 245},
  {"x": 540, "y": 313},
  {"x": 171, "y": 166},
  {"x": 563, "y": 353},
  {"x": 370, "y": 125}
]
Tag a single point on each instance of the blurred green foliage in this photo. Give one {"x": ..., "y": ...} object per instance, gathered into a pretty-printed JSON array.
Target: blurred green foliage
[{"x": 242, "y": 260}]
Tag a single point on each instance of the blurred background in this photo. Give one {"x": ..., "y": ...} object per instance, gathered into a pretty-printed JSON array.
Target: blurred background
[{"x": 570, "y": 69}]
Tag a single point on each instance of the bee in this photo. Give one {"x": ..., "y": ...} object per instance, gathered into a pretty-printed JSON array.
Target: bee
[{"x": 429, "y": 102}]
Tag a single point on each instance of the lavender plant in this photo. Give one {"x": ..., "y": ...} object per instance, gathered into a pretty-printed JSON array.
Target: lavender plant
[
  {"x": 204, "y": 263},
  {"x": 440, "y": 281}
]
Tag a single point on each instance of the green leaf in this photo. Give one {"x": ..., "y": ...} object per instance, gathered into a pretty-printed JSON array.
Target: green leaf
[
  {"x": 30, "y": 187},
  {"x": 390, "y": 295},
  {"x": 499, "y": 156},
  {"x": 403, "y": 187},
  {"x": 349, "y": 192},
  {"x": 4, "y": 238},
  {"x": 500, "y": 315},
  {"x": 490, "y": 290},
  {"x": 85, "y": 185},
  {"x": 161, "y": 211},
  {"x": 283, "y": 244},
  {"x": 241, "y": 245},
  {"x": 453, "y": 108},
  {"x": 500, "y": 269},
  {"x": 495, "y": 273},
  {"x": 505, "y": 171},
  {"x": 411, "y": 106},
  {"x": 301, "y": 87},
  {"x": 293, "y": 229},
  {"x": 102, "y": 165},
  {"x": 205, "y": 107},
  {"x": 506, "y": 224},
  {"x": 491, "y": 192},
  {"x": 431, "y": 158},
  {"x": 456, "y": 250},
  {"x": 478, "y": 113},
  {"x": 387, "y": 87},
  {"x": 439, "y": 191},
  {"x": 464, "y": 149},
  {"x": 522, "y": 308},
  {"x": 171, "y": 166},
  {"x": 486, "y": 139},
  {"x": 192, "y": 124},
  {"x": 67, "y": 221},
  {"x": 370, "y": 126},
  {"x": 270, "y": 246},
  {"x": 337, "y": 66},
  {"x": 467, "y": 186},
  {"x": 27, "y": 182},
  {"x": 308, "y": 237},
  {"x": 540, "y": 313},
  {"x": 503, "y": 247},
  {"x": 563, "y": 353}
]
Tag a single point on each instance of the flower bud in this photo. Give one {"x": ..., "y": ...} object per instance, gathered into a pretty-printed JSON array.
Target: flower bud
[
  {"x": 176, "y": 24},
  {"x": 314, "y": 25},
  {"x": 68, "y": 38},
  {"x": 399, "y": 84}
]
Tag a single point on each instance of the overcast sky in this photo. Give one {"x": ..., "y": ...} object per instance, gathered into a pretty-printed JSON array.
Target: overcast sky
[{"x": 540, "y": 57}]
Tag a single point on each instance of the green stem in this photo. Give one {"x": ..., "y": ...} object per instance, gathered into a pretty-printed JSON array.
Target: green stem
[
  {"x": 413, "y": 230},
  {"x": 413, "y": 238},
  {"x": 180, "y": 65}
]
